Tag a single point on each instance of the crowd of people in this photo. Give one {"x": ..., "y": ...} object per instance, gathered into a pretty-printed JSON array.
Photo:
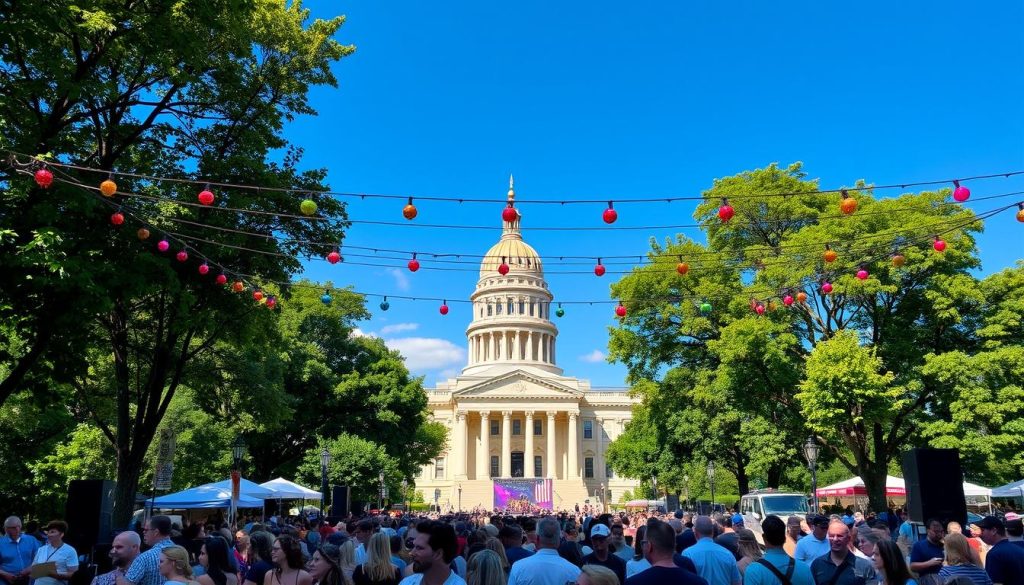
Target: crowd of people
[{"x": 537, "y": 549}]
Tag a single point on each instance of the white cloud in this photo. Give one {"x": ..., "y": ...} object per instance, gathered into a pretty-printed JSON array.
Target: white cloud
[
  {"x": 593, "y": 357},
  {"x": 401, "y": 279},
  {"x": 357, "y": 332},
  {"x": 446, "y": 374},
  {"x": 399, "y": 327},
  {"x": 427, "y": 353}
]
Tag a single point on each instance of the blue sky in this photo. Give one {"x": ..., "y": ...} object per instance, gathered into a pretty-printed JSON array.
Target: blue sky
[{"x": 584, "y": 100}]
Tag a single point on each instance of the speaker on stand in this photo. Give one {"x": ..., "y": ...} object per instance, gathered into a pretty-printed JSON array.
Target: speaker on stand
[
  {"x": 340, "y": 501},
  {"x": 935, "y": 485}
]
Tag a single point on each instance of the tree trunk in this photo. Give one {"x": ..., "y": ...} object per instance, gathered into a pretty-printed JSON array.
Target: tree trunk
[
  {"x": 874, "y": 482},
  {"x": 128, "y": 472}
]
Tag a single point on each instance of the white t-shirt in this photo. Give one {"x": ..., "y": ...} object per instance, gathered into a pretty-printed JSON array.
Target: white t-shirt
[
  {"x": 64, "y": 556},
  {"x": 417, "y": 578}
]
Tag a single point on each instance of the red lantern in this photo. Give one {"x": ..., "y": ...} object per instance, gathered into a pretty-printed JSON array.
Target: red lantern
[
  {"x": 898, "y": 260},
  {"x": 960, "y": 194},
  {"x": 862, "y": 274},
  {"x": 610, "y": 215},
  {"x": 44, "y": 178},
  {"x": 257, "y": 295},
  {"x": 826, "y": 288},
  {"x": 163, "y": 245},
  {"x": 117, "y": 218},
  {"x": 599, "y": 269},
  {"x": 271, "y": 303},
  {"x": 939, "y": 245},
  {"x": 509, "y": 214},
  {"x": 801, "y": 297},
  {"x": 142, "y": 233},
  {"x": 620, "y": 310},
  {"x": 759, "y": 309},
  {"x": 108, "y": 188},
  {"x": 682, "y": 268},
  {"x": 848, "y": 205},
  {"x": 206, "y": 197},
  {"x": 221, "y": 279},
  {"x": 787, "y": 300},
  {"x": 204, "y": 268},
  {"x": 182, "y": 256},
  {"x": 334, "y": 257},
  {"x": 238, "y": 286},
  {"x": 725, "y": 212},
  {"x": 503, "y": 268},
  {"x": 414, "y": 264},
  {"x": 443, "y": 308},
  {"x": 409, "y": 211}
]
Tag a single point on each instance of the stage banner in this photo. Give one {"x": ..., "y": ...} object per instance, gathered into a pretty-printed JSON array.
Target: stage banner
[{"x": 522, "y": 494}]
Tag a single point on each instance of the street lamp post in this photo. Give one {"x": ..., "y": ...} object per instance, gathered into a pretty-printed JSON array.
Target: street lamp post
[
  {"x": 380, "y": 478},
  {"x": 811, "y": 453},
  {"x": 459, "y": 487},
  {"x": 237, "y": 452},
  {"x": 654, "y": 484},
  {"x": 405, "y": 491},
  {"x": 686, "y": 486},
  {"x": 325, "y": 460},
  {"x": 711, "y": 480}
]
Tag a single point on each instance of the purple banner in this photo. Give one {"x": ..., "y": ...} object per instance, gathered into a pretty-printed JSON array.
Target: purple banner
[{"x": 523, "y": 493}]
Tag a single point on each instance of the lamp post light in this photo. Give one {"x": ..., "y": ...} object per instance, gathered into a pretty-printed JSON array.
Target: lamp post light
[
  {"x": 458, "y": 486},
  {"x": 380, "y": 479},
  {"x": 325, "y": 460},
  {"x": 711, "y": 480},
  {"x": 237, "y": 452},
  {"x": 686, "y": 486},
  {"x": 811, "y": 453},
  {"x": 405, "y": 491}
]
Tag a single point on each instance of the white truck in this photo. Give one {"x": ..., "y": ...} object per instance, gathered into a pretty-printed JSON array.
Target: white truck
[{"x": 758, "y": 504}]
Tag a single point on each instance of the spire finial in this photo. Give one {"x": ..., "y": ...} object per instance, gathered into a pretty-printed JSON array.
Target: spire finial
[{"x": 511, "y": 188}]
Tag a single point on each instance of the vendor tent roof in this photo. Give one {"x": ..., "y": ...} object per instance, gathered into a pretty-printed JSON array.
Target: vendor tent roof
[
  {"x": 894, "y": 486},
  {"x": 204, "y": 496},
  {"x": 288, "y": 490},
  {"x": 1011, "y": 490}
]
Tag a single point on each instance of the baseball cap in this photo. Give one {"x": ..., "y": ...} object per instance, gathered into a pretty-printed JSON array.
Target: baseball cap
[
  {"x": 1011, "y": 516},
  {"x": 600, "y": 531},
  {"x": 990, "y": 522},
  {"x": 678, "y": 514},
  {"x": 818, "y": 520},
  {"x": 848, "y": 520},
  {"x": 737, "y": 519}
]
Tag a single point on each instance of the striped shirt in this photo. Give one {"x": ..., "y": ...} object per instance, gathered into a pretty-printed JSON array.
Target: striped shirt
[
  {"x": 974, "y": 572},
  {"x": 145, "y": 569}
]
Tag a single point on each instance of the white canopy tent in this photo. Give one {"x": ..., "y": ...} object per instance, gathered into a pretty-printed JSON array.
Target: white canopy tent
[{"x": 288, "y": 490}]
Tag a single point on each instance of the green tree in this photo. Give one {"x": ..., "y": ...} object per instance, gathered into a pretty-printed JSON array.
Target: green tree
[{"x": 355, "y": 462}]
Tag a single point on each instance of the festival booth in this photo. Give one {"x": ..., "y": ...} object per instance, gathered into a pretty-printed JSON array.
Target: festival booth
[
  {"x": 289, "y": 490},
  {"x": 853, "y": 491},
  {"x": 1013, "y": 490},
  {"x": 204, "y": 496}
]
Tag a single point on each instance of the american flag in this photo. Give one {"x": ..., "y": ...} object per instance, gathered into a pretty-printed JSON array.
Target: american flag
[{"x": 542, "y": 491}]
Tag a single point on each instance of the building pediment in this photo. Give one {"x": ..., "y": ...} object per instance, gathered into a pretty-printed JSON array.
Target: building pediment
[{"x": 517, "y": 385}]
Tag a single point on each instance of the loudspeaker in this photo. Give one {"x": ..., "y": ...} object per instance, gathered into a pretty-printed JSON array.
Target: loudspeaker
[
  {"x": 88, "y": 512},
  {"x": 671, "y": 502},
  {"x": 340, "y": 503},
  {"x": 935, "y": 487}
]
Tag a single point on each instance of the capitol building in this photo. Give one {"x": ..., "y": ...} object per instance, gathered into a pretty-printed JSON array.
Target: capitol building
[{"x": 512, "y": 413}]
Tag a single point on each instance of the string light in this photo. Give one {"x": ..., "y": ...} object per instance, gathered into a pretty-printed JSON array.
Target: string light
[
  {"x": 44, "y": 178},
  {"x": 117, "y": 218},
  {"x": 205, "y": 196},
  {"x": 960, "y": 194},
  {"x": 409, "y": 211},
  {"x": 307, "y": 207},
  {"x": 725, "y": 211},
  {"x": 414, "y": 264},
  {"x": 848, "y": 204},
  {"x": 610, "y": 215},
  {"x": 599, "y": 269},
  {"x": 182, "y": 256},
  {"x": 108, "y": 188}
]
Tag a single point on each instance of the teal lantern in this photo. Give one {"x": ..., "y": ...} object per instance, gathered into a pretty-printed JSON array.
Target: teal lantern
[
  {"x": 326, "y": 298},
  {"x": 705, "y": 308},
  {"x": 385, "y": 305}
]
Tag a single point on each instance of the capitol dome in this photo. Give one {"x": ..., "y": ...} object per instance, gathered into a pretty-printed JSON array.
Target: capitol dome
[{"x": 511, "y": 249}]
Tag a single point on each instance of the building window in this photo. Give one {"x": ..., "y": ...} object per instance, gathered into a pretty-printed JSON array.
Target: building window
[
  {"x": 588, "y": 467},
  {"x": 522, "y": 308},
  {"x": 538, "y": 428},
  {"x": 538, "y": 466},
  {"x": 494, "y": 426},
  {"x": 588, "y": 429},
  {"x": 517, "y": 426},
  {"x": 497, "y": 308},
  {"x": 494, "y": 466},
  {"x": 608, "y": 471},
  {"x": 511, "y": 307},
  {"x": 439, "y": 468},
  {"x": 531, "y": 308},
  {"x": 490, "y": 311}
]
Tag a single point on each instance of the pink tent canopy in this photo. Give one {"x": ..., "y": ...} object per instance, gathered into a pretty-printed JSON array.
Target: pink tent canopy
[{"x": 894, "y": 486}]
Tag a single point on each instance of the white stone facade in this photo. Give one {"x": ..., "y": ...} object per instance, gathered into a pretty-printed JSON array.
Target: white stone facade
[{"x": 511, "y": 413}]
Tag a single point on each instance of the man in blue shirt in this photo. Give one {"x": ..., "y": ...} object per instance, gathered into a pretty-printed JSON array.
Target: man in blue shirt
[
  {"x": 760, "y": 571},
  {"x": 815, "y": 544},
  {"x": 16, "y": 553},
  {"x": 926, "y": 555},
  {"x": 713, "y": 561},
  {"x": 511, "y": 537}
]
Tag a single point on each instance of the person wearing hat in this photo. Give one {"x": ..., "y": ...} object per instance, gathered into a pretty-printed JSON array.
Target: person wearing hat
[
  {"x": 815, "y": 544},
  {"x": 1014, "y": 528},
  {"x": 1005, "y": 561},
  {"x": 599, "y": 535}
]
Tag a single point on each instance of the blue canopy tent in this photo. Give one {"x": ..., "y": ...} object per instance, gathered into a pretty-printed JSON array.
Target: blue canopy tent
[
  {"x": 205, "y": 496},
  {"x": 1011, "y": 490}
]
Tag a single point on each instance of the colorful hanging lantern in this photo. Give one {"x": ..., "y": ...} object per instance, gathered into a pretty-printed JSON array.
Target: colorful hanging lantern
[
  {"x": 108, "y": 188},
  {"x": 257, "y": 295},
  {"x": 117, "y": 218},
  {"x": 787, "y": 300},
  {"x": 848, "y": 205},
  {"x": 509, "y": 214},
  {"x": 1020, "y": 212},
  {"x": 705, "y": 308},
  {"x": 801, "y": 297},
  {"x": 163, "y": 245},
  {"x": 620, "y": 310},
  {"x": 682, "y": 268},
  {"x": 142, "y": 233},
  {"x": 503, "y": 268},
  {"x": 221, "y": 279},
  {"x": 725, "y": 211},
  {"x": 772, "y": 306},
  {"x": 238, "y": 286},
  {"x": 599, "y": 269},
  {"x": 307, "y": 207},
  {"x": 409, "y": 211},
  {"x": 759, "y": 308},
  {"x": 385, "y": 305},
  {"x": 443, "y": 309},
  {"x": 334, "y": 257},
  {"x": 610, "y": 215},
  {"x": 204, "y": 269},
  {"x": 181, "y": 256},
  {"x": 414, "y": 264},
  {"x": 826, "y": 288},
  {"x": 44, "y": 178},
  {"x": 326, "y": 298},
  {"x": 559, "y": 312},
  {"x": 206, "y": 196},
  {"x": 862, "y": 274},
  {"x": 898, "y": 260},
  {"x": 960, "y": 194},
  {"x": 939, "y": 245},
  {"x": 830, "y": 254},
  {"x": 271, "y": 303}
]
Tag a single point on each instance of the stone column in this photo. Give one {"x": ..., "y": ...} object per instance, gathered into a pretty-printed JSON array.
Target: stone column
[
  {"x": 483, "y": 466},
  {"x": 497, "y": 345},
  {"x": 460, "y": 450},
  {"x": 515, "y": 347},
  {"x": 529, "y": 345},
  {"x": 528, "y": 451},
  {"x": 549, "y": 457},
  {"x": 574, "y": 447},
  {"x": 599, "y": 452},
  {"x": 506, "y": 443}
]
